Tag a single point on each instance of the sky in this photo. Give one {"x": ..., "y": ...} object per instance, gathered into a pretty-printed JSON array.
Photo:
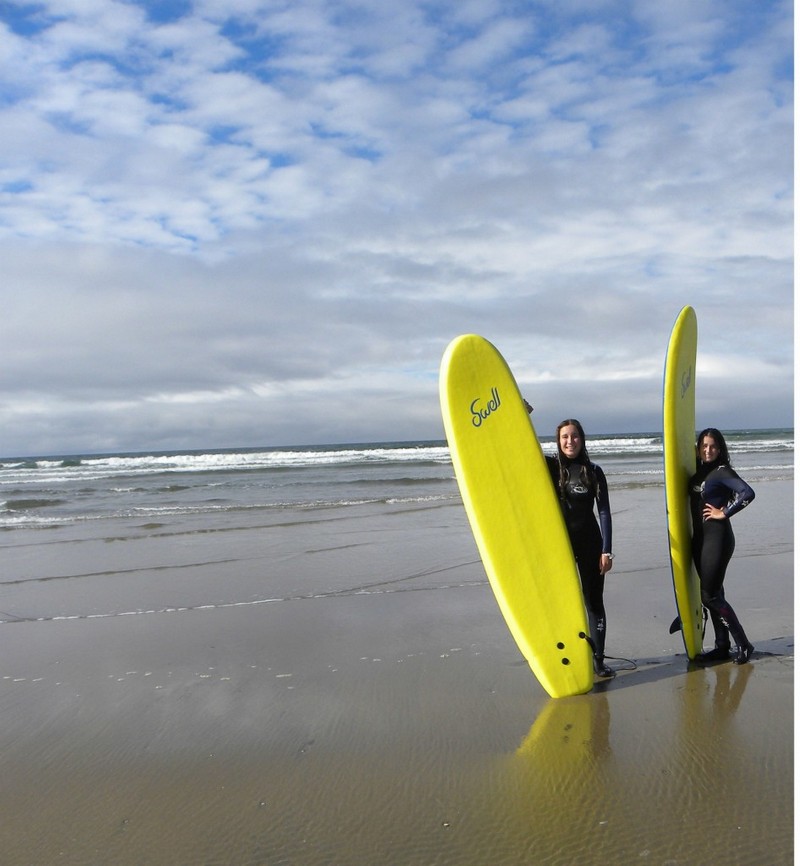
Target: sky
[{"x": 230, "y": 223}]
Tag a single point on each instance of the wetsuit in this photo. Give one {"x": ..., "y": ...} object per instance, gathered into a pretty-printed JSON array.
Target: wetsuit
[
  {"x": 713, "y": 543},
  {"x": 589, "y": 540}
]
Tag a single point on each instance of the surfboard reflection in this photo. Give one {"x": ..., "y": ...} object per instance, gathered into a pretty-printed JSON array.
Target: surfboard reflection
[
  {"x": 624, "y": 775},
  {"x": 570, "y": 730}
]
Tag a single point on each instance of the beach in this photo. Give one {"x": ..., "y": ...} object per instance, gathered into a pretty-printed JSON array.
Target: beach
[{"x": 337, "y": 686}]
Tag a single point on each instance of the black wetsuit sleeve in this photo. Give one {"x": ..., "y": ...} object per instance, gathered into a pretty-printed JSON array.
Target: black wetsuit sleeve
[
  {"x": 603, "y": 508},
  {"x": 743, "y": 493}
]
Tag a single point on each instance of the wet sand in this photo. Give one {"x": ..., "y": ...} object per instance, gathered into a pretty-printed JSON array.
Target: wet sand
[{"x": 342, "y": 690}]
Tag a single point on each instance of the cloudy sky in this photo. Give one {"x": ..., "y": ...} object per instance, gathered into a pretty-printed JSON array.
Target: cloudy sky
[{"x": 260, "y": 222}]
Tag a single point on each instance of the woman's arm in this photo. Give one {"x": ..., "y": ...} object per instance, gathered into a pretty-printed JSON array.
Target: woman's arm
[
  {"x": 603, "y": 508},
  {"x": 743, "y": 495}
]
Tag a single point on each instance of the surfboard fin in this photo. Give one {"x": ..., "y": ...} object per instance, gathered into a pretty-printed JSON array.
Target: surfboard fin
[{"x": 676, "y": 625}]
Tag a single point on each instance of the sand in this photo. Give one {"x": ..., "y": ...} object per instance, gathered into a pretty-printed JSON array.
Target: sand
[{"x": 342, "y": 689}]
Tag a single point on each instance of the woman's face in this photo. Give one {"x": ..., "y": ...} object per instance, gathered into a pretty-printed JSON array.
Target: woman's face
[
  {"x": 569, "y": 441},
  {"x": 709, "y": 450}
]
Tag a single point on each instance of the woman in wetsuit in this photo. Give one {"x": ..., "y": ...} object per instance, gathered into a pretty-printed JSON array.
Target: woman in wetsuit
[
  {"x": 716, "y": 493},
  {"x": 580, "y": 485}
]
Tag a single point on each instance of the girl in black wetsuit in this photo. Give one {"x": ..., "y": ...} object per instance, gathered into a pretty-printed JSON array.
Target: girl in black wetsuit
[
  {"x": 580, "y": 484},
  {"x": 716, "y": 493}
]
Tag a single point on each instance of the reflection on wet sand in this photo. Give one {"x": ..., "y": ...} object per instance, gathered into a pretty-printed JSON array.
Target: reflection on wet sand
[{"x": 679, "y": 775}]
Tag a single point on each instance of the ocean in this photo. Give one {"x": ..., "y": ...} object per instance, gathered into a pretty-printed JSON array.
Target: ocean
[{"x": 151, "y": 488}]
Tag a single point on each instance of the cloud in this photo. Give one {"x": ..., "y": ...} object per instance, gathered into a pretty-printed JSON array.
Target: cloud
[{"x": 264, "y": 226}]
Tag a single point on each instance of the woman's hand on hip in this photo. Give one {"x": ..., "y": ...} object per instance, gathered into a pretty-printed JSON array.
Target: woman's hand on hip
[{"x": 712, "y": 513}]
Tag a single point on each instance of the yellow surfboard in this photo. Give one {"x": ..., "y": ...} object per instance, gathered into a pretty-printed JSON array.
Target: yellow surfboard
[
  {"x": 679, "y": 466},
  {"x": 515, "y": 515}
]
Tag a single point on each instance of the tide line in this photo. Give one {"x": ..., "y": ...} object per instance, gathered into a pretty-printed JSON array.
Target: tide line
[{"x": 10, "y": 618}]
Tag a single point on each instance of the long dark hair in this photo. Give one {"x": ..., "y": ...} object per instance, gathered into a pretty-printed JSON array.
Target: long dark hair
[
  {"x": 587, "y": 469},
  {"x": 723, "y": 459}
]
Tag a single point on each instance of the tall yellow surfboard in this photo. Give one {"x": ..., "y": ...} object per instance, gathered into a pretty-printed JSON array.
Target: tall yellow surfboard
[
  {"x": 515, "y": 515},
  {"x": 679, "y": 466}
]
